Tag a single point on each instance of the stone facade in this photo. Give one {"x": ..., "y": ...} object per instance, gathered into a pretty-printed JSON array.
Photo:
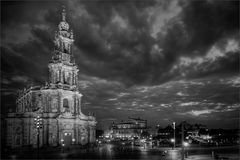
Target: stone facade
[{"x": 58, "y": 103}]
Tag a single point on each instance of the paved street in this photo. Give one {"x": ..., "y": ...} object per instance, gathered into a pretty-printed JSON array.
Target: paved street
[{"x": 117, "y": 151}]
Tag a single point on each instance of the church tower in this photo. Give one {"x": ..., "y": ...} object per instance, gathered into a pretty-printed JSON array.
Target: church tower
[
  {"x": 62, "y": 68},
  {"x": 57, "y": 103}
]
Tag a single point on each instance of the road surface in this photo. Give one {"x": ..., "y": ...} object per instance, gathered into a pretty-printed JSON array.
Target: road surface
[{"x": 118, "y": 151}]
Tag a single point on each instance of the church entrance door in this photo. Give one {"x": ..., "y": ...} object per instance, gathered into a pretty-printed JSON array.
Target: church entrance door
[{"x": 67, "y": 139}]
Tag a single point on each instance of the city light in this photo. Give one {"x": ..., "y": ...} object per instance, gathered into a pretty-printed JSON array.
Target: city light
[
  {"x": 185, "y": 144},
  {"x": 172, "y": 140}
]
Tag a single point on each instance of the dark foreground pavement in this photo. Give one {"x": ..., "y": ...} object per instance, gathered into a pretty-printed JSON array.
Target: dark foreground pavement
[{"x": 114, "y": 151}]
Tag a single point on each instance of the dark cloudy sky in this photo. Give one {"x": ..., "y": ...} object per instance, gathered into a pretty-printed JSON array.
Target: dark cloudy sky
[{"x": 166, "y": 60}]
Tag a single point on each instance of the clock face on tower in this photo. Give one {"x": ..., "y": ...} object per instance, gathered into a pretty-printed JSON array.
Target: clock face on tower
[{"x": 63, "y": 26}]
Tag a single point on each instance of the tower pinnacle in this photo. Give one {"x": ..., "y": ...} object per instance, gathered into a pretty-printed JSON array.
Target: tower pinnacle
[{"x": 63, "y": 14}]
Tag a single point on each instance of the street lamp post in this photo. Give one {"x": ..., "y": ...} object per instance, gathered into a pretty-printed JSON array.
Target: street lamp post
[
  {"x": 38, "y": 125},
  {"x": 186, "y": 144},
  {"x": 174, "y": 139},
  {"x": 182, "y": 142}
]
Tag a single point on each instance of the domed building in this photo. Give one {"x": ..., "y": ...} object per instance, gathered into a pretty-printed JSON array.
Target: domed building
[{"x": 57, "y": 104}]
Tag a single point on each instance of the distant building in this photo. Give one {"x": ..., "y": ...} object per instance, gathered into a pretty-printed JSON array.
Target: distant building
[
  {"x": 225, "y": 136},
  {"x": 57, "y": 103},
  {"x": 190, "y": 131},
  {"x": 198, "y": 133},
  {"x": 194, "y": 130},
  {"x": 134, "y": 127},
  {"x": 165, "y": 133}
]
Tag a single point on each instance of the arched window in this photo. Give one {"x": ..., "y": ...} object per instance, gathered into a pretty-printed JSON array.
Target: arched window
[
  {"x": 65, "y": 48},
  {"x": 68, "y": 80},
  {"x": 65, "y": 103},
  {"x": 64, "y": 78}
]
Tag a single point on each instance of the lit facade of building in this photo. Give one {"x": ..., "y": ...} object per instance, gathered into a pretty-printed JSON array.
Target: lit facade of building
[
  {"x": 132, "y": 128},
  {"x": 57, "y": 103}
]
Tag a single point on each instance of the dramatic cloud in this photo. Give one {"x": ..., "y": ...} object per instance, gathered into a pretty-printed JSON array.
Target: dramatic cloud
[{"x": 156, "y": 59}]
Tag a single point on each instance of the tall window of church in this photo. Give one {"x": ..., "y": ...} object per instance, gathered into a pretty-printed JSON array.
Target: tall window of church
[
  {"x": 62, "y": 46},
  {"x": 55, "y": 77},
  {"x": 69, "y": 78},
  {"x": 78, "y": 110},
  {"x": 73, "y": 79},
  {"x": 21, "y": 110},
  {"x": 60, "y": 75},
  {"x": 65, "y": 48},
  {"x": 69, "y": 48},
  {"x": 64, "y": 81},
  {"x": 19, "y": 107},
  {"x": 17, "y": 136},
  {"x": 65, "y": 103}
]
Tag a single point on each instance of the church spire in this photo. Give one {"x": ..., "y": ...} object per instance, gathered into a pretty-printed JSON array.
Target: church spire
[
  {"x": 63, "y": 39},
  {"x": 63, "y": 24},
  {"x": 62, "y": 67},
  {"x": 64, "y": 14}
]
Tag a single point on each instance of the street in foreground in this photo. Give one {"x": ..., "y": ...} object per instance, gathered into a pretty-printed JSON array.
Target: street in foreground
[{"x": 118, "y": 151}]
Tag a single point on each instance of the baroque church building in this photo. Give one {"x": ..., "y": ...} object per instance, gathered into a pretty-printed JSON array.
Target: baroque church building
[{"x": 57, "y": 103}]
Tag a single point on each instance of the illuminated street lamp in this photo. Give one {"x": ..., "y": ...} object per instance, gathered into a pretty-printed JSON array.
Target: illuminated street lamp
[
  {"x": 174, "y": 139},
  {"x": 73, "y": 140},
  {"x": 38, "y": 125},
  {"x": 186, "y": 144}
]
